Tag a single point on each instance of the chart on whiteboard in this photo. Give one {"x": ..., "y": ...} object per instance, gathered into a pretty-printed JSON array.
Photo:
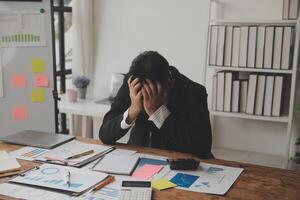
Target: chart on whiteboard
[{"x": 22, "y": 29}]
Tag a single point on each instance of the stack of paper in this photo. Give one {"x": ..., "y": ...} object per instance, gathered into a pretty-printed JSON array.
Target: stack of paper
[
  {"x": 8, "y": 163},
  {"x": 61, "y": 154}
]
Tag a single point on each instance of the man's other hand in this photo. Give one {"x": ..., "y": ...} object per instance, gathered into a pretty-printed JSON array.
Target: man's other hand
[{"x": 135, "y": 94}]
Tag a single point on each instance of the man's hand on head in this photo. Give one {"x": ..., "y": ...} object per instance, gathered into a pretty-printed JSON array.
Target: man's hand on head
[
  {"x": 135, "y": 94},
  {"x": 154, "y": 96}
]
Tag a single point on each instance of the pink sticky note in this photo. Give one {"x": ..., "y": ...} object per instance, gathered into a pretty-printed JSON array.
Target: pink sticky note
[
  {"x": 20, "y": 113},
  {"x": 18, "y": 81},
  {"x": 147, "y": 171},
  {"x": 41, "y": 80}
]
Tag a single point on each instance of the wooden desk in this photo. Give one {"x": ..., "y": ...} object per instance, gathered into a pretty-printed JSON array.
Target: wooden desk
[{"x": 256, "y": 182}]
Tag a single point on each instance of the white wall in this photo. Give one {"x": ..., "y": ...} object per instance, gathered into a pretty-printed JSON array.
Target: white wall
[
  {"x": 175, "y": 28},
  {"x": 178, "y": 30}
]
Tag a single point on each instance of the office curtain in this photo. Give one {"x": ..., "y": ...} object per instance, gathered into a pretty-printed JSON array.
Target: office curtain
[{"x": 83, "y": 53}]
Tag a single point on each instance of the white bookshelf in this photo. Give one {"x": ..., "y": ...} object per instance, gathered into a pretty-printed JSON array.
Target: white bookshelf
[{"x": 287, "y": 120}]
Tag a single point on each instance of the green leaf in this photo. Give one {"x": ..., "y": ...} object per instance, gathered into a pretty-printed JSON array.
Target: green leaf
[{"x": 298, "y": 110}]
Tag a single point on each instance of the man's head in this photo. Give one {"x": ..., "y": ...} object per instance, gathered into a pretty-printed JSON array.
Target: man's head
[{"x": 151, "y": 65}]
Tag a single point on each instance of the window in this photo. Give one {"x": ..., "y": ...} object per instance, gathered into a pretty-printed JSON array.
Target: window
[{"x": 63, "y": 52}]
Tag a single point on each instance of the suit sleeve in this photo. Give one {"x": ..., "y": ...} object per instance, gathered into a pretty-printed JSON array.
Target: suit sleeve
[
  {"x": 111, "y": 130},
  {"x": 189, "y": 131}
]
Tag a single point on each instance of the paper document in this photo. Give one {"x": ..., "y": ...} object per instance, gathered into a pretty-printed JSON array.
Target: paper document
[
  {"x": 74, "y": 147},
  {"x": 22, "y": 29},
  {"x": 8, "y": 163},
  {"x": 117, "y": 164},
  {"x": 26, "y": 192},
  {"x": 109, "y": 192},
  {"x": 55, "y": 177},
  {"x": 28, "y": 153},
  {"x": 209, "y": 178}
]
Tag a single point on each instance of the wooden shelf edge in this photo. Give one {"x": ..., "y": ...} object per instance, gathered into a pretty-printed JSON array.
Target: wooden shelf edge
[
  {"x": 275, "y": 71},
  {"x": 283, "y": 119},
  {"x": 254, "y": 22}
]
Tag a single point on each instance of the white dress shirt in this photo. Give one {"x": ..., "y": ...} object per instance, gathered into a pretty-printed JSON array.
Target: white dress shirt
[{"x": 158, "y": 117}]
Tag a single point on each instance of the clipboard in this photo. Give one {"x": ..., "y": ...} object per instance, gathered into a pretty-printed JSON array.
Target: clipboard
[{"x": 51, "y": 177}]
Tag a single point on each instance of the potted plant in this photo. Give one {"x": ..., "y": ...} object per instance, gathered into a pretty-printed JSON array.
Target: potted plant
[{"x": 81, "y": 83}]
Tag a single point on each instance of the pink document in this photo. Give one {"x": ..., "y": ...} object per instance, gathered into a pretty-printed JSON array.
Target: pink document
[{"x": 147, "y": 171}]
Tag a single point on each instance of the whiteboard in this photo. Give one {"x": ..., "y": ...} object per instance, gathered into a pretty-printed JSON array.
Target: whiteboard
[{"x": 30, "y": 44}]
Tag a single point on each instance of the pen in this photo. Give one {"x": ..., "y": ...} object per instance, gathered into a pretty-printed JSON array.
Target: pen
[
  {"x": 81, "y": 154},
  {"x": 68, "y": 177},
  {"x": 105, "y": 182}
]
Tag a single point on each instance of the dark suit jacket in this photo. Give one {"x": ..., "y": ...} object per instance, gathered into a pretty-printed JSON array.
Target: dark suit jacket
[{"x": 187, "y": 129}]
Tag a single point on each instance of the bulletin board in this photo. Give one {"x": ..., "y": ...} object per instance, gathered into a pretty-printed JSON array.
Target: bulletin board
[{"x": 26, "y": 67}]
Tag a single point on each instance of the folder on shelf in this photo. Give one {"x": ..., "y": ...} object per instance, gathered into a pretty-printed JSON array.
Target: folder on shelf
[
  {"x": 277, "y": 97},
  {"x": 228, "y": 46},
  {"x": 228, "y": 91},
  {"x": 260, "y": 46},
  {"x": 220, "y": 46},
  {"x": 260, "y": 94},
  {"x": 251, "y": 46},
  {"x": 243, "y": 46},
  {"x": 220, "y": 90},
  {"x": 269, "y": 44},
  {"x": 287, "y": 47},
  {"x": 285, "y": 9},
  {"x": 269, "y": 95},
  {"x": 243, "y": 97},
  {"x": 235, "y": 46},
  {"x": 213, "y": 45},
  {"x": 214, "y": 93},
  {"x": 235, "y": 96},
  {"x": 293, "y": 9},
  {"x": 277, "y": 47},
  {"x": 251, "y": 93}
]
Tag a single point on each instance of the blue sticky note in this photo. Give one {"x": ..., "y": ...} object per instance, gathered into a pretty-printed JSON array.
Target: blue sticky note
[{"x": 184, "y": 180}]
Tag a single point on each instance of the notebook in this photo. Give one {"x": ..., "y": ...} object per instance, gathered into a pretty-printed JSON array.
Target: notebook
[
  {"x": 37, "y": 139},
  {"x": 8, "y": 163},
  {"x": 117, "y": 164}
]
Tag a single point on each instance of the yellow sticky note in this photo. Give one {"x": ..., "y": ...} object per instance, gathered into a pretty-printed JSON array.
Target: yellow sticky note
[
  {"x": 162, "y": 184},
  {"x": 37, "y": 95},
  {"x": 37, "y": 66}
]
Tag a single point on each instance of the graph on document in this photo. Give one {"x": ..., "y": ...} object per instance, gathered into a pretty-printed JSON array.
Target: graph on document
[{"x": 51, "y": 176}]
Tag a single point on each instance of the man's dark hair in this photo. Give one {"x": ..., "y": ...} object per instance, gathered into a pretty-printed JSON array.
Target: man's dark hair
[{"x": 150, "y": 65}]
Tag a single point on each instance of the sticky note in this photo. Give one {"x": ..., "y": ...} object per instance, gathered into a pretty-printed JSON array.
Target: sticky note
[
  {"x": 38, "y": 95},
  {"x": 162, "y": 184},
  {"x": 37, "y": 66},
  {"x": 18, "y": 81},
  {"x": 147, "y": 171},
  {"x": 41, "y": 80},
  {"x": 20, "y": 113},
  {"x": 184, "y": 180}
]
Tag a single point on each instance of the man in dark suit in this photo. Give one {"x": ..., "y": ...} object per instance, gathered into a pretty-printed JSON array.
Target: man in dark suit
[{"x": 164, "y": 108}]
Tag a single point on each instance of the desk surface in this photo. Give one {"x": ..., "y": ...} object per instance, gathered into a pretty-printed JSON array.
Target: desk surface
[{"x": 256, "y": 182}]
